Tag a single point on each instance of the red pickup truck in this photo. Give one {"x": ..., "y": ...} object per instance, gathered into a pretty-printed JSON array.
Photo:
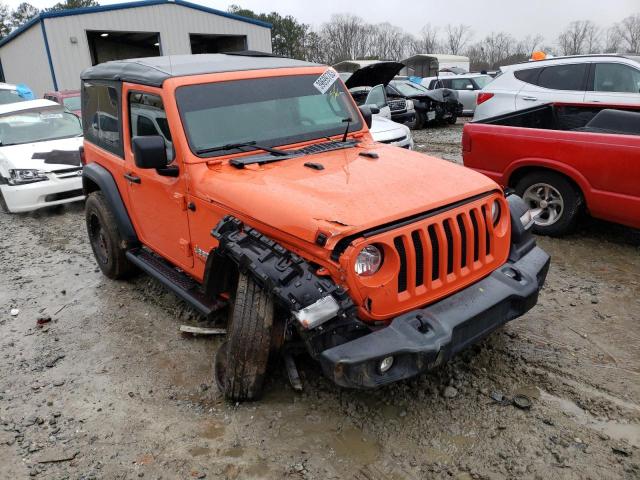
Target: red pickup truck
[{"x": 563, "y": 159}]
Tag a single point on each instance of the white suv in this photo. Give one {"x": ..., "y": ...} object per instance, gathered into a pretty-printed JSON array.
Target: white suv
[{"x": 611, "y": 79}]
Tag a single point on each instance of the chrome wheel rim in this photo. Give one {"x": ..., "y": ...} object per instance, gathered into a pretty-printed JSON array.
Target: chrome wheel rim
[{"x": 546, "y": 201}]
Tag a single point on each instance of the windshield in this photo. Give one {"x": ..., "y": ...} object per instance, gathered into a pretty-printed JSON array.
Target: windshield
[
  {"x": 27, "y": 127},
  {"x": 482, "y": 81},
  {"x": 10, "y": 96},
  {"x": 409, "y": 88},
  {"x": 72, "y": 103},
  {"x": 269, "y": 111}
]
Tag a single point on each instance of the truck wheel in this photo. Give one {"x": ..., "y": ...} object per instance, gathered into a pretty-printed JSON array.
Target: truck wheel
[
  {"x": 419, "y": 121},
  {"x": 558, "y": 201},
  {"x": 241, "y": 361},
  {"x": 105, "y": 239},
  {"x": 452, "y": 120}
]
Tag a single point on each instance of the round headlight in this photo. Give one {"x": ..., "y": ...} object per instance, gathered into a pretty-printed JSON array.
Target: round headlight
[
  {"x": 369, "y": 261},
  {"x": 495, "y": 212}
]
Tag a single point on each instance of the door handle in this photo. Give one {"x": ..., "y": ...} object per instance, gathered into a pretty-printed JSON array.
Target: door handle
[
  {"x": 132, "y": 178},
  {"x": 530, "y": 99}
]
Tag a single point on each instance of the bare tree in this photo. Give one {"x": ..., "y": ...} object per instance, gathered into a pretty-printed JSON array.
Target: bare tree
[
  {"x": 389, "y": 42},
  {"x": 629, "y": 31},
  {"x": 528, "y": 45},
  {"x": 428, "y": 41},
  {"x": 612, "y": 40},
  {"x": 579, "y": 37},
  {"x": 346, "y": 37},
  {"x": 457, "y": 37}
]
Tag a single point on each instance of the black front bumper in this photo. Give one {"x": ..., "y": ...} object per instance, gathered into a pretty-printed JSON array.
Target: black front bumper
[
  {"x": 425, "y": 338},
  {"x": 405, "y": 117}
]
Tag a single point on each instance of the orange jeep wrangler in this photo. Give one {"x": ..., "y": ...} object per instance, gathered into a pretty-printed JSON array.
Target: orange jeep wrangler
[{"x": 251, "y": 183}]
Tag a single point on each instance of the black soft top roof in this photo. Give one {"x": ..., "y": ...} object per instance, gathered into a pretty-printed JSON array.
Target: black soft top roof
[{"x": 154, "y": 71}]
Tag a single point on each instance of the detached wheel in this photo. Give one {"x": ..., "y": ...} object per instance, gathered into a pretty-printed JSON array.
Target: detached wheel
[
  {"x": 241, "y": 362},
  {"x": 105, "y": 239},
  {"x": 555, "y": 198}
]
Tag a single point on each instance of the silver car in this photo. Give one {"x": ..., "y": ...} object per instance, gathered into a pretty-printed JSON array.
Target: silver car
[
  {"x": 467, "y": 85},
  {"x": 609, "y": 79}
]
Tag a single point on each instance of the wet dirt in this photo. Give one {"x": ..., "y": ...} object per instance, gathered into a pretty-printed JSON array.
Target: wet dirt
[{"x": 109, "y": 389}]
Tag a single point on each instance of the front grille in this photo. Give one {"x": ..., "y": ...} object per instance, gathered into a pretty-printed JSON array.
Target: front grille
[
  {"x": 54, "y": 197},
  {"x": 397, "y": 105},
  {"x": 444, "y": 250}
]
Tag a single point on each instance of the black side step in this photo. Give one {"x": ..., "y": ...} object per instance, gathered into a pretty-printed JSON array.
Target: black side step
[{"x": 179, "y": 283}]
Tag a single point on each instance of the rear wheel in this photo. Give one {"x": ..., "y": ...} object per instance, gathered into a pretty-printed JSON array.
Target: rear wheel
[
  {"x": 554, "y": 199},
  {"x": 241, "y": 362},
  {"x": 105, "y": 239}
]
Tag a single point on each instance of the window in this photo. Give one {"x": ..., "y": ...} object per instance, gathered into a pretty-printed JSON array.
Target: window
[
  {"x": 148, "y": 117},
  {"x": 461, "y": 84},
  {"x": 616, "y": 77},
  {"x": 38, "y": 126},
  {"x": 72, "y": 103},
  {"x": 529, "y": 75},
  {"x": 563, "y": 77},
  {"x": 483, "y": 81},
  {"x": 101, "y": 116},
  {"x": 377, "y": 97},
  {"x": 270, "y": 111},
  {"x": 10, "y": 96}
]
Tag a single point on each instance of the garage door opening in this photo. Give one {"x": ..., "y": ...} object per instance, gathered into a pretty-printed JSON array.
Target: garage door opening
[
  {"x": 217, "y": 43},
  {"x": 110, "y": 45}
]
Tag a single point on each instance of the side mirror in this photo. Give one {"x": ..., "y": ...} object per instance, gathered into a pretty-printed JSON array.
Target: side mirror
[
  {"x": 149, "y": 152},
  {"x": 367, "y": 112}
]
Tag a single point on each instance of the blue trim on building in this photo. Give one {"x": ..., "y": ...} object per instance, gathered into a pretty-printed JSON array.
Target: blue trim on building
[
  {"x": 125, "y": 5},
  {"x": 46, "y": 47}
]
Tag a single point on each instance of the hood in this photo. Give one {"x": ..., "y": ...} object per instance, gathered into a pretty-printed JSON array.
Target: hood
[
  {"x": 442, "y": 95},
  {"x": 50, "y": 155},
  {"x": 372, "y": 75},
  {"x": 352, "y": 193},
  {"x": 381, "y": 125}
]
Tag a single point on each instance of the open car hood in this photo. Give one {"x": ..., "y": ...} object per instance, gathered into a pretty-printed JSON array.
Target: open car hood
[
  {"x": 372, "y": 75},
  {"x": 441, "y": 95}
]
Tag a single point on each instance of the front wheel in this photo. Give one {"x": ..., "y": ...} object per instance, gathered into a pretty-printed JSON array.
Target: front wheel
[
  {"x": 452, "y": 120},
  {"x": 3, "y": 205},
  {"x": 241, "y": 362},
  {"x": 105, "y": 239},
  {"x": 555, "y": 201}
]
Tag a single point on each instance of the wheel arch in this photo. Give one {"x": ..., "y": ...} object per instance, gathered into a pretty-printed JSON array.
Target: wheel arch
[
  {"x": 97, "y": 178},
  {"x": 575, "y": 178}
]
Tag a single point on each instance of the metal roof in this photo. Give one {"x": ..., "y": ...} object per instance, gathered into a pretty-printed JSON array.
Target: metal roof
[
  {"x": 121, "y": 6},
  {"x": 154, "y": 71}
]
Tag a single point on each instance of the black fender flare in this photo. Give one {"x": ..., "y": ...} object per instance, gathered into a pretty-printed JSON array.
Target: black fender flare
[{"x": 95, "y": 174}]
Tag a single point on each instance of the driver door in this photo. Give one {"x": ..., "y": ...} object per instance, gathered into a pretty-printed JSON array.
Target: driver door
[{"x": 157, "y": 203}]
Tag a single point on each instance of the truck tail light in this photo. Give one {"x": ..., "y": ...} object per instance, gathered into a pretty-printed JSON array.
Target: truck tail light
[
  {"x": 83, "y": 159},
  {"x": 466, "y": 141},
  {"x": 483, "y": 97}
]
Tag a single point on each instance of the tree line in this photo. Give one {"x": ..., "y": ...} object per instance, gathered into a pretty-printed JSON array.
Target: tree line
[{"x": 347, "y": 36}]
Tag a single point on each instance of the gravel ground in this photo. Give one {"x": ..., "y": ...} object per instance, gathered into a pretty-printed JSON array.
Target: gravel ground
[{"x": 108, "y": 388}]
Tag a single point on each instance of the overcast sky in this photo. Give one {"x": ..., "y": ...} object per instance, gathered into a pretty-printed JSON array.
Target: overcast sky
[{"x": 518, "y": 17}]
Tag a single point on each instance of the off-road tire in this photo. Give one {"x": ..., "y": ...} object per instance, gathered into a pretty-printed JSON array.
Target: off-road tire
[
  {"x": 3, "y": 205},
  {"x": 105, "y": 239},
  {"x": 571, "y": 198},
  {"x": 241, "y": 362}
]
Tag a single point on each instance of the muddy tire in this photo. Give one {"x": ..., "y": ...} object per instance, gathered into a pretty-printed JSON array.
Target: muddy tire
[
  {"x": 105, "y": 239},
  {"x": 241, "y": 362},
  {"x": 559, "y": 200}
]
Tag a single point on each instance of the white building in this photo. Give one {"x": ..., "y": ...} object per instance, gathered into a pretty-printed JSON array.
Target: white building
[{"x": 49, "y": 52}]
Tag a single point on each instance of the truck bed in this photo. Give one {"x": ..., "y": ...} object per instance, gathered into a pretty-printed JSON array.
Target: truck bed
[{"x": 596, "y": 146}]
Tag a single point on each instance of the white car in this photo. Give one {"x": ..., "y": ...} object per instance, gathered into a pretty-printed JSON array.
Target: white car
[
  {"x": 467, "y": 85},
  {"x": 9, "y": 94},
  {"x": 39, "y": 156},
  {"x": 610, "y": 79},
  {"x": 387, "y": 131}
]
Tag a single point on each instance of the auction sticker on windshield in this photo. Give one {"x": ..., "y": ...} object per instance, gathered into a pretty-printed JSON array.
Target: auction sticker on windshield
[{"x": 325, "y": 80}]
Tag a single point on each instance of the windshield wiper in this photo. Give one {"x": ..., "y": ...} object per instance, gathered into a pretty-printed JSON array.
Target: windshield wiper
[{"x": 234, "y": 146}]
